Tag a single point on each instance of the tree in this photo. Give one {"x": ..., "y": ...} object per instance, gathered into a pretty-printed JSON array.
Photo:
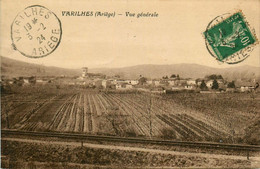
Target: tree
[
  {"x": 142, "y": 81},
  {"x": 256, "y": 85},
  {"x": 214, "y": 76},
  {"x": 219, "y": 77},
  {"x": 117, "y": 76},
  {"x": 32, "y": 80},
  {"x": 178, "y": 77},
  {"x": 215, "y": 84},
  {"x": 165, "y": 77},
  {"x": 173, "y": 76},
  {"x": 203, "y": 85},
  {"x": 231, "y": 84},
  {"x": 197, "y": 81}
]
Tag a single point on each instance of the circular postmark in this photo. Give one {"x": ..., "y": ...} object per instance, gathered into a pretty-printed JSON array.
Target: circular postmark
[
  {"x": 229, "y": 39},
  {"x": 36, "y": 32}
]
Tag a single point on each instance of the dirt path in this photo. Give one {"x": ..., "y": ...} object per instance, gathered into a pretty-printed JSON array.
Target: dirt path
[{"x": 254, "y": 160}]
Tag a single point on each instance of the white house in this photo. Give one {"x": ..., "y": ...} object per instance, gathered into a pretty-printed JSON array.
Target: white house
[
  {"x": 156, "y": 82},
  {"x": 176, "y": 88},
  {"x": 149, "y": 82},
  {"x": 246, "y": 88},
  {"x": 118, "y": 86},
  {"x": 171, "y": 82},
  {"x": 123, "y": 86},
  {"x": 26, "y": 81},
  {"x": 191, "y": 82},
  {"x": 104, "y": 83},
  {"x": 209, "y": 83},
  {"x": 10, "y": 82},
  {"x": 188, "y": 87},
  {"x": 128, "y": 86},
  {"x": 41, "y": 81},
  {"x": 134, "y": 82}
]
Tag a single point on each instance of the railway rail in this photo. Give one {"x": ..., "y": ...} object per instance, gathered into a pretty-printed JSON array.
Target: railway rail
[{"x": 84, "y": 137}]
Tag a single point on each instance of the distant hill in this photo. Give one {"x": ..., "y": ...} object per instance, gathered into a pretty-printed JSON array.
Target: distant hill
[
  {"x": 14, "y": 68},
  {"x": 184, "y": 70}
]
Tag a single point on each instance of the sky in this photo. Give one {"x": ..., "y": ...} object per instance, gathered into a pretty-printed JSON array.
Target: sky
[{"x": 174, "y": 37}]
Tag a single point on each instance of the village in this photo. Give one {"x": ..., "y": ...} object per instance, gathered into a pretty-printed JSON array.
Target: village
[{"x": 174, "y": 83}]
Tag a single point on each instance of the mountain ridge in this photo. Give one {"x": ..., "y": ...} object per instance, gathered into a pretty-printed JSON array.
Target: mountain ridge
[
  {"x": 15, "y": 68},
  {"x": 9, "y": 68}
]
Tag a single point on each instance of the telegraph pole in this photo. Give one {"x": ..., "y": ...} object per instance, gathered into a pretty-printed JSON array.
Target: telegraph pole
[
  {"x": 6, "y": 114},
  {"x": 150, "y": 115},
  {"x": 6, "y": 118}
]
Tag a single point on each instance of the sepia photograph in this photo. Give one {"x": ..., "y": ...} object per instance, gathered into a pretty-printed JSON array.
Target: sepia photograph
[{"x": 130, "y": 84}]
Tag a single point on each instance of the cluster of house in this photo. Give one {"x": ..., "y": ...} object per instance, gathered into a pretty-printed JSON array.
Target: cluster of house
[
  {"x": 22, "y": 81},
  {"x": 156, "y": 84},
  {"x": 100, "y": 81},
  {"x": 160, "y": 85}
]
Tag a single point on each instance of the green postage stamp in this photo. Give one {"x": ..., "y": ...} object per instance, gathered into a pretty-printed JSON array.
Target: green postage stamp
[{"x": 229, "y": 38}]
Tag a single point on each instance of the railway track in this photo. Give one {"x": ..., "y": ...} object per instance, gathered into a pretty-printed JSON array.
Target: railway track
[{"x": 84, "y": 137}]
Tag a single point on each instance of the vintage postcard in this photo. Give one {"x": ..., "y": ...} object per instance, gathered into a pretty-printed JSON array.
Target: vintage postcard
[{"x": 130, "y": 84}]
